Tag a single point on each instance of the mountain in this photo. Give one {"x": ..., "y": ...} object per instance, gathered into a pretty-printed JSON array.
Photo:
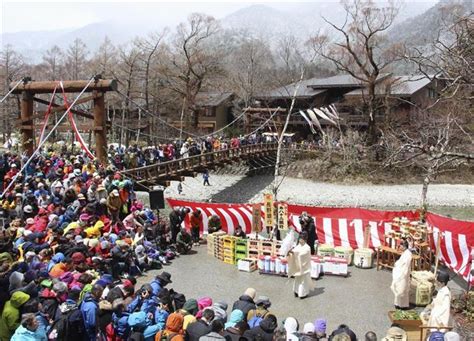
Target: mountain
[
  {"x": 422, "y": 30},
  {"x": 269, "y": 21}
]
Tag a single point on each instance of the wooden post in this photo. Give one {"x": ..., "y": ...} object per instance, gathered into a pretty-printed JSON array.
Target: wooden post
[
  {"x": 27, "y": 136},
  {"x": 100, "y": 128}
]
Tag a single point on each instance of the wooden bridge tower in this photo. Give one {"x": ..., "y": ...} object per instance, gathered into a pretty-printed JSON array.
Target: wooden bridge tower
[{"x": 97, "y": 88}]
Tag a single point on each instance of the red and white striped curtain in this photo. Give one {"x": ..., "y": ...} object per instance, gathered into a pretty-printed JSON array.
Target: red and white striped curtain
[{"x": 345, "y": 227}]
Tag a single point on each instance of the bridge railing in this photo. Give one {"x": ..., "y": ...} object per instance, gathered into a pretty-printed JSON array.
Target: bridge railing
[{"x": 173, "y": 167}]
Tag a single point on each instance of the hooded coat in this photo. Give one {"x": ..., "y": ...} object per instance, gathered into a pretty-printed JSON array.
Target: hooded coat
[
  {"x": 10, "y": 319},
  {"x": 173, "y": 329},
  {"x": 220, "y": 311},
  {"x": 24, "y": 334},
  {"x": 90, "y": 310},
  {"x": 245, "y": 304},
  {"x": 189, "y": 311}
]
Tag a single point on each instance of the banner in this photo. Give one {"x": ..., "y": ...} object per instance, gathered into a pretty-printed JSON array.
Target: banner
[
  {"x": 345, "y": 227},
  {"x": 256, "y": 218},
  {"x": 282, "y": 216},
  {"x": 268, "y": 204}
]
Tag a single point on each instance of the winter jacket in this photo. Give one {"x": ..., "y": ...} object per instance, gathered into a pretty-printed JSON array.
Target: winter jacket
[
  {"x": 232, "y": 334},
  {"x": 212, "y": 336},
  {"x": 90, "y": 310},
  {"x": 23, "y": 334},
  {"x": 10, "y": 319},
  {"x": 190, "y": 309},
  {"x": 161, "y": 316},
  {"x": 195, "y": 330},
  {"x": 156, "y": 286},
  {"x": 264, "y": 331},
  {"x": 245, "y": 304}
]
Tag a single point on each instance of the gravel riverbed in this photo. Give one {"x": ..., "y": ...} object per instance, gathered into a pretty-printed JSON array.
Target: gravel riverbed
[{"x": 237, "y": 188}]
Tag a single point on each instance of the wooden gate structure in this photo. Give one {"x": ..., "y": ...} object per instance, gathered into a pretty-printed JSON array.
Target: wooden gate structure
[{"x": 98, "y": 88}]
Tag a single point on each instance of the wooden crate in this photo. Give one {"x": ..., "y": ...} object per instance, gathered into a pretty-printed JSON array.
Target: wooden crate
[
  {"x": 276, "y": 247},
  {"x": 266, "y": 245},
  {"x": 240, "y": 254},
  {"x": 229, "y": 260},
  {"x": 253, "y": 254}
]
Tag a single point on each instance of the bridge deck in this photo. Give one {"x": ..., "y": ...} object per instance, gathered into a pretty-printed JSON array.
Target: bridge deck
[{"x": 162, "y": 173}]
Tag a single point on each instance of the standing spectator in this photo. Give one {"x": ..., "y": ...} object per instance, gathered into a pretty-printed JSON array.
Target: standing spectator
[
  {"x": 29, "y": 330},
  {"x": 10, "y": 319},
  {"x": 196, "y": 221},
  {"x": 205, "y": 177},
  {"x": 175, "y": 223}
]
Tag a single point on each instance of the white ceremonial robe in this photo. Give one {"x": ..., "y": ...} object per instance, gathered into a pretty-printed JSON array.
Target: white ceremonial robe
[
  {"x": 401, "y": 280},
  {"x": 299, "y": 266},
  {"x": 440, "y": 309}
]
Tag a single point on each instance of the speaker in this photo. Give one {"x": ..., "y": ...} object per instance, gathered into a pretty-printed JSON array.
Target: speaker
[{"x": 157, "y": 200}]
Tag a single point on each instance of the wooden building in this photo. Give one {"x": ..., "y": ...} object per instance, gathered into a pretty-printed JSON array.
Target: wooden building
[
  {"x": 401, "y": 94},
  {"x": 214, "y": 110}
]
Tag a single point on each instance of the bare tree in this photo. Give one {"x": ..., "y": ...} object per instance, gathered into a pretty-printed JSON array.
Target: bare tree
[
  {"x": 53, "y": 60},
  {"x": 76, "y": 59},
  {"x": 12, "y": 68},
  {"x": 150, "y": 48},
  {"x": 193, "y": 59},
  {"x": 362, "y": 51},
  {"x": 249, "y": 68},
  {"x": 105, "y": 59}
]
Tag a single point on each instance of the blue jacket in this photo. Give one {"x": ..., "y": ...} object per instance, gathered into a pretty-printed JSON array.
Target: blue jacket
[
  {"x": 23, "y": 334},
  {"x": 120, "y": 323},
  {"x": 148, "y": 306},
  {"x": 90, "y": 310},
  {"x": 160, "y": 318},
  {"x": 155, "y": 284}
]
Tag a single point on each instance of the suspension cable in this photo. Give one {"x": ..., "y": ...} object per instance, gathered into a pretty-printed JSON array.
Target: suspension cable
[
  {"x": 13, "y": 89},
  {"x": 40, "y": 145}
]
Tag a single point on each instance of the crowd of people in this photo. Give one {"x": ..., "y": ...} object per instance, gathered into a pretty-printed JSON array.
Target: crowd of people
[
  {"x": 136, "y": 156},
  {"x": 75, "y": 238}
]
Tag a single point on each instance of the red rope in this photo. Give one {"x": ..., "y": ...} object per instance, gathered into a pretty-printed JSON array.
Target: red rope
[{"x": 74, "y": 127}]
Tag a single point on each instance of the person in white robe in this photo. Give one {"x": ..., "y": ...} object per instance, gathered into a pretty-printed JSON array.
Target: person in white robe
[
  {"x": 299, "y": 266},
  {"x": 401, "y": 278},
  {"x": 438, "y": 313}
]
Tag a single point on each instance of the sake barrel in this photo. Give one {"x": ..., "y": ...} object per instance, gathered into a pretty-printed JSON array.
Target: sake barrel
[
  {"x": 420, "y": 292},
  {"x": 344, "y": 252},
  {"x": 363, "y": 258},
  {"x": 325, "y": 250}
]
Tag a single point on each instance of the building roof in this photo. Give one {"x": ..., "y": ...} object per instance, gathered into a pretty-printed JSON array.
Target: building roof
[
  {"x": 212, "y": 99},
  {"x": 315, "y": 86},
  {"x": 304, "y": 91},
  {"x": 341, "y": 81},
  {"x": 401, "y": 86}
]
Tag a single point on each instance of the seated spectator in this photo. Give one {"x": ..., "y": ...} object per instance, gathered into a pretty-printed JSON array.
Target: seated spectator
[
  {"x": 216, "y": 333},
  {"x": 264, "y": 331},
  {"x": 239, "y": 233},
  {"x": 370, "y": 336},
  {"x": 201, "y": 327},
  {"x": 245, "y": 303},
  {"x": 184, "y": 241},
  {"x": 291, "y": 326},
  {"x": 237, "y": 331},
  {"x": 173, "y": 329}
]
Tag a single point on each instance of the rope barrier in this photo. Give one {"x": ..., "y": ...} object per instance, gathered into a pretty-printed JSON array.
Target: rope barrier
[
  {"x": 40, "y": 145},
  {"x": 13, "y": 89}
]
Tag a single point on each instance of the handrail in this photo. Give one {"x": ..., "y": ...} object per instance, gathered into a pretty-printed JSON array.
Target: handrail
[{"x": 199, "y": 160}]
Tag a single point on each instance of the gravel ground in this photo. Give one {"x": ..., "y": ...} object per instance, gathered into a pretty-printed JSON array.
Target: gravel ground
[{"x": 235, "y": 188}]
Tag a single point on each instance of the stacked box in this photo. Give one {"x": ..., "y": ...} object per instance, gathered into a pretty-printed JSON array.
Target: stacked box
[
  {"x": 240, "y": 249},
  {"x": 253, "y": 248},
  {"x": 229, "y": 249},
  {"x": 219, "y": 249},
  {"x": 276, "y": 248}
]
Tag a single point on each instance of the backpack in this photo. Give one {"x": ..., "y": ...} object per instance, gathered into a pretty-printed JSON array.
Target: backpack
[
  {"x": 179, "y": 300},
  {"x": 256, "y": 319},
  {"x": 69, "y": 326},
  {"x": 167, "y": 337}
]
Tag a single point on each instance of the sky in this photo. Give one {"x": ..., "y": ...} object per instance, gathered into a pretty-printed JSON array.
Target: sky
[{"x": 37, "y": 15}]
